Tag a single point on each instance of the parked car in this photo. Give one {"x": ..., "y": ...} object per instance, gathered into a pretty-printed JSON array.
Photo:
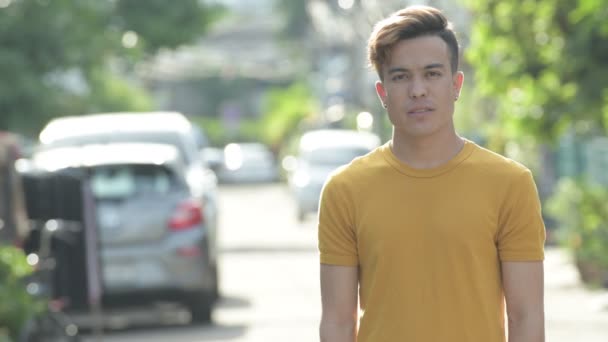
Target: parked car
[
  {"x": 247, "y": 163},
  {"x": 156, "y": 242},
  {"x": 171, "y": 128},
  {"x": 320, "y": 152}
]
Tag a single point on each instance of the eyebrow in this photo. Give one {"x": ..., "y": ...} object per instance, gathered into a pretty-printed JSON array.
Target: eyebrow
[{"x": 427, "y": 67}]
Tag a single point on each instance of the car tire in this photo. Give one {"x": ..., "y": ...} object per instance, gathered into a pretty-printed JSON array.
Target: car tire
[
  {"x": 216, "y": 294},
  {"x": 201, "y": 303},
  {"x": 201, "y": 308}
]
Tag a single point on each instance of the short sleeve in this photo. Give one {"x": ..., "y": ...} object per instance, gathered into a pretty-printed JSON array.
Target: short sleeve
[
  {"x": 337, "y": 238},
  {"x": 521, "y": 235}
]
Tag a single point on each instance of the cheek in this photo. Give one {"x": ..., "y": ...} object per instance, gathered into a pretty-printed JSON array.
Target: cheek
[{"x": 395, "y": 93}]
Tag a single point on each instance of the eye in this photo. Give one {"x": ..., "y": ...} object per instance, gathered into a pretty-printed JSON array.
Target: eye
[
  {"x": 399, "y": 77},
  {"x": 433, "y": 74}
]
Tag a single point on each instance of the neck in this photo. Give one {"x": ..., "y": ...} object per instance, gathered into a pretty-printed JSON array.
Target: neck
[{"x": 426, "y": 152}]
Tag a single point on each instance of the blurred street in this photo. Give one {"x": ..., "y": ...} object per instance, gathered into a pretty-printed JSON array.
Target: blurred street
[
  {"x": 270, "y": 281},
  {"x": 269, "y": 275},
  {"x": 131, "y": 133},
  {"x": 573, "y": 313}
]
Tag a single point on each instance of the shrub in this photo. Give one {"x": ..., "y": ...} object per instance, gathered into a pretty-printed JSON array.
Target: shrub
[
  {"x": 16, "y": 305},
  {"x": 581, "y": 211}
]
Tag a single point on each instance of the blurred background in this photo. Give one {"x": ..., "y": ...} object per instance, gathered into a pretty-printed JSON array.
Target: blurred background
[{"x": 161, "y": 161}]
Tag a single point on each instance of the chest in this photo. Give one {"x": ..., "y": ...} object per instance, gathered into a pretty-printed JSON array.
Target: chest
[{"x": 425, "y": 219}]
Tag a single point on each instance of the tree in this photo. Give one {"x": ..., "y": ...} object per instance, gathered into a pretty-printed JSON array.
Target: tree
[
  {"x": 544, "y": 64},
  {"x": 16, "y": 304},
  {"x": 66, "y": 57},
  {"x": 582, "y": 210},
  {"x": 284, "y": 110}
]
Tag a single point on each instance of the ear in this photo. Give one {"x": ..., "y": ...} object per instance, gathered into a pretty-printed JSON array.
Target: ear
[
  {"x": 381, "y": 91},
  {"x": 458, "y": 80}
]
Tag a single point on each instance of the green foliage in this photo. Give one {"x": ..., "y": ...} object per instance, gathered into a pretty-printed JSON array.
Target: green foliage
[
  {"x": 113, "y": 93},
  {"x": 16, "y": 305},
  {"x": 165, "y": 24},
  {"x": 543, "y": 61},
  {"x": 284, "y": 110},
  {"x": 248, "y": 130},
  {"x": 581, "y": 209},
  {"x": 213, "y": 127},
  {"x": 56, "y": 55}
]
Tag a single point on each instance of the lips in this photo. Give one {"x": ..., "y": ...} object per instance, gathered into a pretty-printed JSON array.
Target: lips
[{"x": 420, "y": 110}]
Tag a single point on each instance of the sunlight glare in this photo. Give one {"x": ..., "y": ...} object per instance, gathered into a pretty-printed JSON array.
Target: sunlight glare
[
  {"x": 346, "y": 4},
  {"x": 129, "y": 39},
  {"x": 234, "y": 156},
  {"x": 32, "y": 259},
  {"x": 289, "y": 163},
  {"x": 365, "y": 120}
]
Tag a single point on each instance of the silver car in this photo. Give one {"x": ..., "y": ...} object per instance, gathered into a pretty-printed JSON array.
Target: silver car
[
  {"x": 171, "y": 128},
  {"x": 156, "y": 243},
  {"x": 320, "y": 152}
]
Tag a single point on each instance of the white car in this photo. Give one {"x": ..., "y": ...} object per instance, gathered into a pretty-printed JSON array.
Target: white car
[
  {"x": 247, "y": 163},
  {"x": 320, "y": 152}
]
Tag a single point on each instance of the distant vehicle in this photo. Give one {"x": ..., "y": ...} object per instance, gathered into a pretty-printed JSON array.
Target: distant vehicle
[
  {"x": 171, "y": 128},
  {"x": 213, "y": 158},
  {"x": 320, "y": 152},
  {"x": 247, "y": 163},
  {"x": 156, "y": 242},
  {"x": 13, "y": 218}
]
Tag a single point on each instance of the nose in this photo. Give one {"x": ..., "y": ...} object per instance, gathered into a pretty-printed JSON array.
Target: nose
[{"x": 418, "y": 88}]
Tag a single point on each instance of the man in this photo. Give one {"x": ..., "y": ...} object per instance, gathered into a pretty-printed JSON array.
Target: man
[{"x": 430, "y": 232}]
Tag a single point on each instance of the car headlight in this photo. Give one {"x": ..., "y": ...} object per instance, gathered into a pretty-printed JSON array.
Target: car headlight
[{"x": 233, "y": 157}]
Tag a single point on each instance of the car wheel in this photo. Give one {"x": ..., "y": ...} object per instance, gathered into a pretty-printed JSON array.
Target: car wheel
[
  {"x": 201, "y": 308},
  {"x": 216, "y": 284}
]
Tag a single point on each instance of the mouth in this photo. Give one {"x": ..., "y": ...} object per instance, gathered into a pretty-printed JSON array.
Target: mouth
[{"x": 420, "y": 111}]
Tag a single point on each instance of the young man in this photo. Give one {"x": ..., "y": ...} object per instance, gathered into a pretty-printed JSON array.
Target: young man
[{"x": 432, "y": 233}]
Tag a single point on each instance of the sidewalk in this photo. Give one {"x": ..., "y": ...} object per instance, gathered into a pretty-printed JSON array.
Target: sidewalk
[{"x": 573, "y": 312}]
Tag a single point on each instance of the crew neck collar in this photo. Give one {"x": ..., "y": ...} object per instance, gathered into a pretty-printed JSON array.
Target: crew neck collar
[{"x": 404, "y": 168}]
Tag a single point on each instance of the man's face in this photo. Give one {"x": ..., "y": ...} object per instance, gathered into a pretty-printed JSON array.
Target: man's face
[{"x": 419, "y": 88}]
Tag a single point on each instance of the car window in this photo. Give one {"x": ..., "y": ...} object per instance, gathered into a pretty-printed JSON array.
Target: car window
[
  {"x": 122, "y": 181},
  {"x": 333, "y": 155}
]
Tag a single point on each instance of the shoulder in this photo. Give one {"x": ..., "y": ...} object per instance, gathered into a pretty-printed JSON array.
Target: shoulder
[
  {"x": 495, "y": 164},
  {"x": 342, "y": 189},
  {"x": 359, "y": 168},
  {"x": 507, "y": 179}
]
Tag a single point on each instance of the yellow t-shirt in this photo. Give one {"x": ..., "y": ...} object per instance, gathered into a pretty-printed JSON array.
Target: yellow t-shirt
[{"x": 428, "y": 243}]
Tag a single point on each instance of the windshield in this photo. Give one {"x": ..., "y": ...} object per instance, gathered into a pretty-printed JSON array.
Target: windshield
[{"x": 122, "y": 181}]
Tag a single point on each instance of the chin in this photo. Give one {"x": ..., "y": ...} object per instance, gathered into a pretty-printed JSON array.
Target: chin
[{"x": 421, "y": 131}]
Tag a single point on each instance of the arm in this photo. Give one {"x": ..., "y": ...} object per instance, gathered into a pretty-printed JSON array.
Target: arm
[
  {"x": 339, "y": 296},
  {"x": 523, "y": 286}
]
